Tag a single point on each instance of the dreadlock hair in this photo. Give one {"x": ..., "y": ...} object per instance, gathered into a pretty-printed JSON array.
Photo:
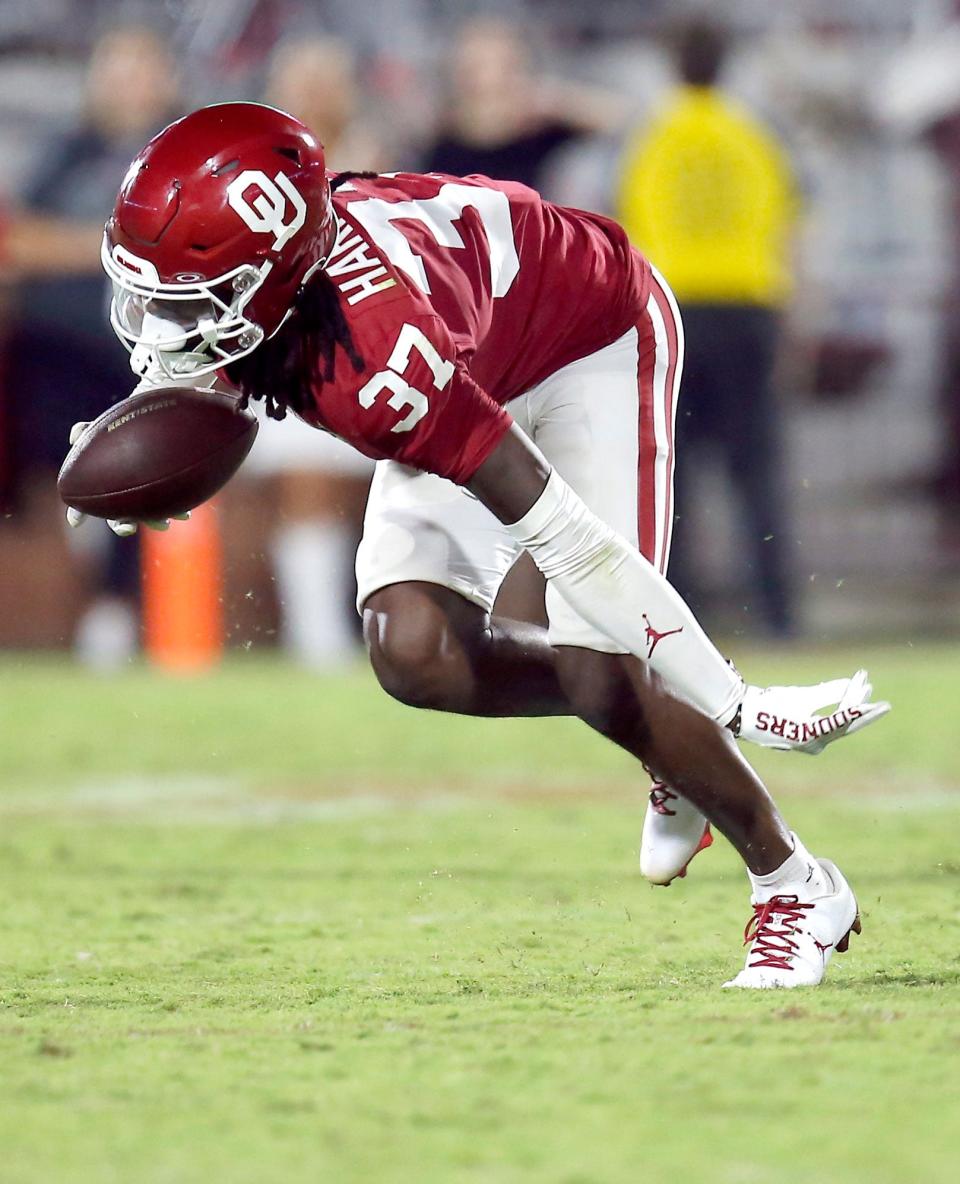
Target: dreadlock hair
[{"x": 283, "y": 369}]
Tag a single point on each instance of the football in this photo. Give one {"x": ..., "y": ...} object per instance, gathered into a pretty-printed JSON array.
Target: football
[{"x": 157, "y": 453}]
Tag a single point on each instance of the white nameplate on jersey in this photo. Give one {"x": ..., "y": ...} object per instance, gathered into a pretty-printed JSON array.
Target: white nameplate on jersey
[
  {"x": 438, "y": 215},
  {"x": 351, "y": 254}
]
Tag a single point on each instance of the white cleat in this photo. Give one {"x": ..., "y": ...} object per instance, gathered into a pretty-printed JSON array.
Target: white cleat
[
  {"x": 673, "y": 832},
  {"x": 792, "y": 937}
]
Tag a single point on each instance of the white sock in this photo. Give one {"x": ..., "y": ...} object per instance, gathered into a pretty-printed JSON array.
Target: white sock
[
  {"x": 799, "y": 874},
  {"x": 313, "y": 564}
]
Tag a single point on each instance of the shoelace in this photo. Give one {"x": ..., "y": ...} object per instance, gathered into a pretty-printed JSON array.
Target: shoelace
[
  {"x": 774, "y": 947},
  {"x": 660, "y": 794}
]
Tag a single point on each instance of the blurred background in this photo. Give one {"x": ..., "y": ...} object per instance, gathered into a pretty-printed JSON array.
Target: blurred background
[{"x": 793, "y": 170}]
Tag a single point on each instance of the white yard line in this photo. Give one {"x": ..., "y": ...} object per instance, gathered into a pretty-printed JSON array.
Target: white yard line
[
  {"x": 215, "y": 800},
  {"x": 180, "y": 799}
]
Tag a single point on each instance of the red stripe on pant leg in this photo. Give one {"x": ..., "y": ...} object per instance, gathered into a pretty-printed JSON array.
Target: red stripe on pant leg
[
  {"x": 647, "y": 444},
  {"x": 673, "y": 351}
]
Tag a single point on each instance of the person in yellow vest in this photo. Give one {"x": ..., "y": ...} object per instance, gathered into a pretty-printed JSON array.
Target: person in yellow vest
[{"x": 708, "y": 195}]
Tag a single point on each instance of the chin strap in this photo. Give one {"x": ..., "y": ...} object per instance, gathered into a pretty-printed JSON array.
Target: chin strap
[{"x": 142, "y": 360}]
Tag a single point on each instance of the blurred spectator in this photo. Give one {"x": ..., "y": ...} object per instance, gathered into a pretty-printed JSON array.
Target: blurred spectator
[
  {"x": 317, "y": 483},
  {"x": 503, "y": 120},
  {"x": 64, "y": 362},
  {"x": 316, "y": 80},
  {"x": 228, "y": 46},
  {"x": 31, "y": 246},
  {"x": 708, "y": 195}
]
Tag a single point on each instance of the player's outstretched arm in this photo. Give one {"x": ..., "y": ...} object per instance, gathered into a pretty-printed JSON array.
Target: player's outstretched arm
[{"x": 611, "y": 585}]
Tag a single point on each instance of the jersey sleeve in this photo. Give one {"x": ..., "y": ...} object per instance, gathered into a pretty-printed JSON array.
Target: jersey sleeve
[{"x": 415, "y": 401}]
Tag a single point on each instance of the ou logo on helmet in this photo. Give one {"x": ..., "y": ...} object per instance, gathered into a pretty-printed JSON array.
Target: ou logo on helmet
[{"x": 266, "y": 212}]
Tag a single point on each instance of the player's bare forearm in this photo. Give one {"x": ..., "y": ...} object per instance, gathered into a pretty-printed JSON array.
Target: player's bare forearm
[{"x": 512, "y": 477}]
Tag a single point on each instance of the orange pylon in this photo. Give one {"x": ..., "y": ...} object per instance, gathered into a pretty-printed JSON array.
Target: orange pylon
[{"x": 182, "y": 577}]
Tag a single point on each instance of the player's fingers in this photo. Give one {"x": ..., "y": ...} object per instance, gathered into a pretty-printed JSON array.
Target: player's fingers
[
  {"x": 867, "y": 714},
  {"x": 75, "y": 517},
  {"x": 121, "y": 527},
  {"x": 810, "y": 700},
  {"x": 78, "y": 429},
  {"x": 832, "y": 692},
  {"x": 870, "y": 714},
  {"x": 857, "y": 693}
]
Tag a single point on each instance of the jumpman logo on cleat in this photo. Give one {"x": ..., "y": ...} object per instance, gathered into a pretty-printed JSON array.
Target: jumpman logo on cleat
[
  {"x": 823, "y": 948},
  {"x": 654, "y": 637}
]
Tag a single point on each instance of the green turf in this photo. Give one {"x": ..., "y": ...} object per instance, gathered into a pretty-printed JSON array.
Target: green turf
[{"x": 261, "y": 927}]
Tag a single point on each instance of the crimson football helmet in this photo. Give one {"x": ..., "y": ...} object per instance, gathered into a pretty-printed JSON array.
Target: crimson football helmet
[{"x": 218, "y": 222}]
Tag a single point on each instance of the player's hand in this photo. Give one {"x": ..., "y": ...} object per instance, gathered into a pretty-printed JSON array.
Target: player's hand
[
  {"x": 807, "y": 719},
  {"x": 123, "y": 527}
]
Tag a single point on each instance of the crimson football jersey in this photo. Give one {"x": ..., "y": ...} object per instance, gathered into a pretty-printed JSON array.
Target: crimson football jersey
[{"x": 462, "y": 293}]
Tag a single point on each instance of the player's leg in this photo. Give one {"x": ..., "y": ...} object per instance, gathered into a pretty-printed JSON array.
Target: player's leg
[
  {"x": 607, "y": 422},
  {"x": 805, "y": 908},
  {"x": 627, "y": 702},
  {"x": 429, "y": 567},
  {"x": 431, "y": 647}
]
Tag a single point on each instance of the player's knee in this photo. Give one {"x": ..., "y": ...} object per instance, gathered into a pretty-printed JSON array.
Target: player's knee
[
  {"x": 406, "y": 639},
  {"x": 601, "y": 693},
  {"x": 407, "y": 662}
]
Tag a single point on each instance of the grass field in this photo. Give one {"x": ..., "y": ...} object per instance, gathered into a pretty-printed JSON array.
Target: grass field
[{"x": 263, "y": 927}]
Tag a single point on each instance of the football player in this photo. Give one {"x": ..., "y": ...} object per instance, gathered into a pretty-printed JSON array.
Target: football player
[{"x": 513, "y": 368}]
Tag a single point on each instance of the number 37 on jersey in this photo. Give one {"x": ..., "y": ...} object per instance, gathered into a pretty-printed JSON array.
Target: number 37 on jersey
[{"x": 390, "y": 383}]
